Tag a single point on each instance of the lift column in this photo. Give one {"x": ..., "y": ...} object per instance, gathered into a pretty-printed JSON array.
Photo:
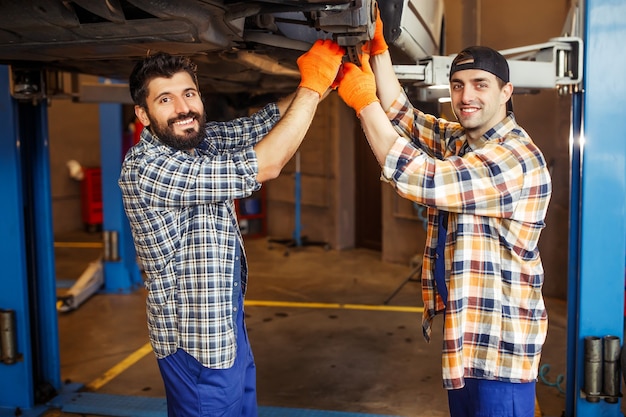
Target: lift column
[
  {"x": 29, "y": 345},
  {"x": 597, "y": 209},
  {"x": 121, "y": 272}
]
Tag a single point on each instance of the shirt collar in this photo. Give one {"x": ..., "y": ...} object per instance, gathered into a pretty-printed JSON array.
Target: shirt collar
[{"x": 497, "y": 132}]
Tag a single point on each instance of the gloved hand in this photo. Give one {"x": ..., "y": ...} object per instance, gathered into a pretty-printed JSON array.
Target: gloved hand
[
  {"x": 378, "y": 45},
  {"x": 320, "y": 65},
  {"x": 357, "y": 88}
]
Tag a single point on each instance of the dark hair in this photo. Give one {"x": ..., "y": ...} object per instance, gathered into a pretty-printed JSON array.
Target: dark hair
[{"x": 160, "y": 64}]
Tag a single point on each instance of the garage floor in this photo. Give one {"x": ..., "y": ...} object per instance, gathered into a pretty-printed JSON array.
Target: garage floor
[{"x": 324, "y": 341}]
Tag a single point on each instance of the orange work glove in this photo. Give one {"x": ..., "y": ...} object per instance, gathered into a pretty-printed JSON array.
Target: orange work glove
[
  {"x": 320, "y": 65},
  {"x": 357, "y": 88},
  {"x": 378, "y": 45}
]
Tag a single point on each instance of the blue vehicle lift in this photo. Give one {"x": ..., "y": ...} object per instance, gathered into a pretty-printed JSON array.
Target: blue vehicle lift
[
  {"x": 598, "y": 203},
  {"x": 30, "y": 373},
  {"x": 29, "y": 347}
]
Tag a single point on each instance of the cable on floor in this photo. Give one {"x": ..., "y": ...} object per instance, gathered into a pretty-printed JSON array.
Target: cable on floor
[{"x": 543, "y": 372}]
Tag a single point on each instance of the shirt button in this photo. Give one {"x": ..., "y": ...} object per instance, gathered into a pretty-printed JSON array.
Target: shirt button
[
  {"x": 234, "y": 308},
  {"x": 235, "y": 284},
  {"x": 236, "y": 258}
]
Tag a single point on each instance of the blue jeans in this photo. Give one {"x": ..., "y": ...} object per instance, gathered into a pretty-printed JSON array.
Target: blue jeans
[
  {"x": 193, "y": 390},
  {"x": 485, "y": 398}
]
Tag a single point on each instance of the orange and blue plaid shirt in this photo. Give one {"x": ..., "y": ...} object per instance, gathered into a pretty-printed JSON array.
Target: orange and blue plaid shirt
[{"x": 496, "y": 191}]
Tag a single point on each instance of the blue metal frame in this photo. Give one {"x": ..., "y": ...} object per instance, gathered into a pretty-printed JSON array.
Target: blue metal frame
[
  {"x": 14, "y": 289},
  {"x": 574, "y": 238},
  {"x": 27, "y": 255},
  {"x": 121, "y": 275},
  {"x": 43, "y": 273},
  {"x": 598, "y": 204}
]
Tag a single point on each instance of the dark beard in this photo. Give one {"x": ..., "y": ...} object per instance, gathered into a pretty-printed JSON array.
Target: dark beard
[{"x": 189, "y": 140}]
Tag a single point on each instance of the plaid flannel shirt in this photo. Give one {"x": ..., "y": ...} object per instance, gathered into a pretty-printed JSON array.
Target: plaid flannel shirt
[
  {"x": 184, "y": 226},
  {"x": 497, "y": 193}
]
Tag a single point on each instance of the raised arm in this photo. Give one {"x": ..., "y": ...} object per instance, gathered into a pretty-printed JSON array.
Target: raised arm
[
  {"x": 370, "y": 90},
  {"x": 387, "y": 84},
  {"x": 318, "y": 69},
  {"x": 281, "y": 143},
  {"x": 358, "y": 90}
]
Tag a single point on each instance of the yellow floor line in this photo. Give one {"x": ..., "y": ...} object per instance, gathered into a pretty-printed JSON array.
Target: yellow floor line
[
  {"x": 129, "y": 361},
  {"x": 137, "y": 355},
  {"x": 77, "y": 244},
  {"x": 338, "y": 306},
  {"x": 538, "y": 412}
]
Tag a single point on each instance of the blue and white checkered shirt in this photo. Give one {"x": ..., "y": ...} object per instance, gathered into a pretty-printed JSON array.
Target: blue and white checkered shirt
[{"x": 185, "y": 230}]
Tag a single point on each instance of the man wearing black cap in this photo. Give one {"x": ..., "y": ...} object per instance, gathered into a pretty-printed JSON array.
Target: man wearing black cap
[{"x": 487, "y": 189}]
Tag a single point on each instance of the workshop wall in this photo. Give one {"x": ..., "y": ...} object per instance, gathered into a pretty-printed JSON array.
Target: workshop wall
[
  {"x": 326, "y": 186},
  {"x": 74, "y": 135}
]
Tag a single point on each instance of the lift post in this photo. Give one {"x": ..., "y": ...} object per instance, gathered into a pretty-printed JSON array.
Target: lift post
[
  {"x": 597, "y": 204},
  {"x": 30, "y": 368},
  {"x": 121, "y": 272},
  {"x": 30, "y": 373}
]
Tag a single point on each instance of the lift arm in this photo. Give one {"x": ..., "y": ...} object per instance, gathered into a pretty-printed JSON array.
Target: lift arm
[{"x": 553, "y": 64}]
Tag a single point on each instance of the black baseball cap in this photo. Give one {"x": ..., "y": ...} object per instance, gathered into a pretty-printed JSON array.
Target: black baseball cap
[{"x": 482, "y": 58}]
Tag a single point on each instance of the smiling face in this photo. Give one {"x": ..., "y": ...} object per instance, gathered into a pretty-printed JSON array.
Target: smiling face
[
  {"x": 478, "y": 100},
  {"x": 174, "y": 111}
]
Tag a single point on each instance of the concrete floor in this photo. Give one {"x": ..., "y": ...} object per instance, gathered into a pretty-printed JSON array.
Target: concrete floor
[{"x": 321, "y": 334}]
